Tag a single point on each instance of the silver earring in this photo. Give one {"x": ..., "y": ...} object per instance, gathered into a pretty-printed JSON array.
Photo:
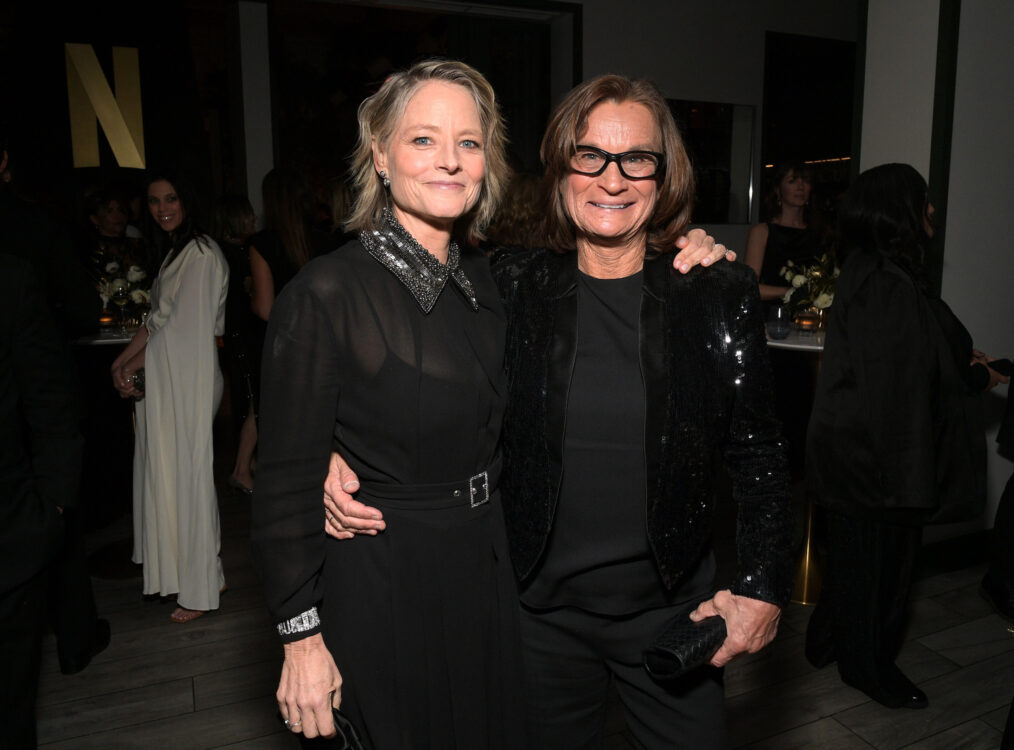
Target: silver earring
[{"x": 383, "y": 178}]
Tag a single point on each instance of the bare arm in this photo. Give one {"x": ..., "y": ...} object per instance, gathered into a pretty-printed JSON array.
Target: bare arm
[
  {"x": 262, "y": 297},
  {"x": 131, "y": 360}
]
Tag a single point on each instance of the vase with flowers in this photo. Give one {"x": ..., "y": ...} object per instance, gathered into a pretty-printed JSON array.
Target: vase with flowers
[
  {"x": 811, "y": 290},
  {"x": 128, "y": 290}
]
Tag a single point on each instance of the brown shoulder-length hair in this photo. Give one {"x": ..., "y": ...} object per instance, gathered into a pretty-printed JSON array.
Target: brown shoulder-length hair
[
  {"x": 567, "y": 126},
  {"x": 379, "y": 116}
]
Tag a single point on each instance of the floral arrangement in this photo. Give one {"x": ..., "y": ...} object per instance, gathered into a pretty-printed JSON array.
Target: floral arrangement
[
  {"x": 129, "y": 290},
  {"x": 810, "y": 285}
]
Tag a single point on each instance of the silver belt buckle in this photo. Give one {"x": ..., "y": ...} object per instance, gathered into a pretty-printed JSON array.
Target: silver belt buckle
[{"x": 478, "y": 488}]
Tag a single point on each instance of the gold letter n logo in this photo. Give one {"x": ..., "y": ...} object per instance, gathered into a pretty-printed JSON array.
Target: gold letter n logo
[{"x": 91, "y": 101}]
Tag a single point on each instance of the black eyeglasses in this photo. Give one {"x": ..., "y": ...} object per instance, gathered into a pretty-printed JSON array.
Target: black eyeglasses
[{"x": 634, "y": 165}]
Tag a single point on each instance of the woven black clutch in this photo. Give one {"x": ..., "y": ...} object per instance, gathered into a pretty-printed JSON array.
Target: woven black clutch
[{"x": 684, "y": 645}]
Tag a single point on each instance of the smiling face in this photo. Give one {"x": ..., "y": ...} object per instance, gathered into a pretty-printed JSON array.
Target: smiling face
[
  {"x": 165, "y": 206},
  {"x": 435, "y": 162},
  {"x": 610, "y": 210}
]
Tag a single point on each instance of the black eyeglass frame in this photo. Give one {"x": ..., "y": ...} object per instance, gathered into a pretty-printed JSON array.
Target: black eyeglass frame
[{"x": 610, "y": 157}]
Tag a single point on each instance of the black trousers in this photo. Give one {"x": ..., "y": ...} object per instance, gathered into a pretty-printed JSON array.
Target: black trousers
[
  {"x": 1002, "y": 552},
  {"x": 572, "y": 656},
  {"x": 72, "y": 612},
  {"x": 22, "y": 612},
  {"x": 863, "y": 607}
]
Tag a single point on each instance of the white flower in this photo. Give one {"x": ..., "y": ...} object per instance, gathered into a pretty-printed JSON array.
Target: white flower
[
  {"x": 139, "y": 296},
  {"x": 116, "y": 284},
  {"x": 112, "y": 266},
  {"x": 798, "y": 280},
  {"x": 135, "y": 274},
  {"x": 823, "y": 301},
  {"x": 788, "y": 295}
]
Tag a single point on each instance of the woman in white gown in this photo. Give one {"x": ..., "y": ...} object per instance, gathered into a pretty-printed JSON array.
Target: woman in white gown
[{"x": 176, "y": 524}]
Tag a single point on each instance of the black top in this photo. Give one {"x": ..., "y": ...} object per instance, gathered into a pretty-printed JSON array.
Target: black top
[
  {"x": 40, "y": 447},
  {"x": 707, "y": 386},
  {"x": 896, "y": 430},
  {"x": 407, "y": 397},
  {"x": 801, "y": 246},
  {"x": 268, "y": 245},
  {"x": 598, "y": 556}
]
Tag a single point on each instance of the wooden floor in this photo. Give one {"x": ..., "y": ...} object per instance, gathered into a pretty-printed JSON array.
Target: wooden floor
[{"x": 209, "y": 683}]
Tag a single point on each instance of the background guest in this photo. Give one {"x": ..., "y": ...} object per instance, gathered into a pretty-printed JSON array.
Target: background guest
[
  {"x": 288, "y": 240},
  {"x": 896, "y": 438},
  {"x": 40, "y": 464},
  {"x": 28, "y": 233},
  {"x": 176, "y": 525},
  {"x": 105, "y": 239},
  {"x": 792, "y": 231},
  {"x": 232, "y": 224}
]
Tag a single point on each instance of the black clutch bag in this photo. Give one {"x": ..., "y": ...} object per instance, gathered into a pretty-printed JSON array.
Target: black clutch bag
[
  {"x": 684, "y": 645},
  {"x": 347, "y": 737}
]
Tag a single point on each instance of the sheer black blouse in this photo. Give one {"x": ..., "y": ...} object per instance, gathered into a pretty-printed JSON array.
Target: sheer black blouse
[{"x": 407, "y": 397}]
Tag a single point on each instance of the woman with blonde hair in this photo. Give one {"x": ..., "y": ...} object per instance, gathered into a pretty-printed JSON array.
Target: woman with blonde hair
[{"x": 392, "y": 347}]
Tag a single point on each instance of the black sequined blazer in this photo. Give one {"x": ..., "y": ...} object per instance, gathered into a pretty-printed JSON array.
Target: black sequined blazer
[{"x": 709, "y": 394}]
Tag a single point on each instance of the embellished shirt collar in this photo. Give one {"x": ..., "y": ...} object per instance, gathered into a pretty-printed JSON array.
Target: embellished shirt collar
[{"x": 421, "y": 273}]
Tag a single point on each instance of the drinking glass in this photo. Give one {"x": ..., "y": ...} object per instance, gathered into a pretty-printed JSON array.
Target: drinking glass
[
  {"x": 120, "y": 297},
  {"x": 779, "y": 322}
]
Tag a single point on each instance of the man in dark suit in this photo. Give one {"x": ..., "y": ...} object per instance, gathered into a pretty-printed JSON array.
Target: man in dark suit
[{"x": 40, "y": 463}]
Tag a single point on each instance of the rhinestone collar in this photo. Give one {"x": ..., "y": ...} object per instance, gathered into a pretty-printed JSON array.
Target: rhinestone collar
[{"x": 421, "y": 273}]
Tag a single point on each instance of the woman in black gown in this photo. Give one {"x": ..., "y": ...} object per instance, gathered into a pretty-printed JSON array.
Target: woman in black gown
[
  {"x": 896, "y": 438},
  {"x": 392, "y": 347}
]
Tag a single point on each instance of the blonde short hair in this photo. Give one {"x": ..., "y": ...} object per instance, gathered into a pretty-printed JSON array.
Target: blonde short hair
[
  {"x": 568, "y": 123},
  {"x": 379, "y": 115}
]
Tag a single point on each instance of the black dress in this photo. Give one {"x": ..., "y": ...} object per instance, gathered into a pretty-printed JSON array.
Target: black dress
[
  {"x": 422, "y": 620},
  {"x": 801, "y": 246}
]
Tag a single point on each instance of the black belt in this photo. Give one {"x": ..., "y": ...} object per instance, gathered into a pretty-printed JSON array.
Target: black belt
[{"x": 476, "y": 490}]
